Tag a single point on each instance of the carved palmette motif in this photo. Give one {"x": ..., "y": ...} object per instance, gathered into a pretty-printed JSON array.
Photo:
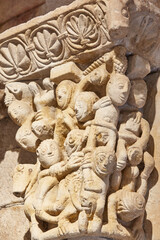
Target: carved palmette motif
[{"x": 92, "y": 27}]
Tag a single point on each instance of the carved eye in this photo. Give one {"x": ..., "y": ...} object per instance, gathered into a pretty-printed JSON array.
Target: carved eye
[
  {"x": 44, "y": 127},
  {"x": 101, "y": 158},
  {"x": 120, "y": 86},
  {"x": 30, "y": 170},
  {"x": 125, "y": 12},
  {"x": 37, "y": 152},
  {"x": 20, "y": 167}
]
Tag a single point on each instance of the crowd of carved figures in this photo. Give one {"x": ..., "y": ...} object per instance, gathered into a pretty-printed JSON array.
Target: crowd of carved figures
[{"x": 90, "y": 138}]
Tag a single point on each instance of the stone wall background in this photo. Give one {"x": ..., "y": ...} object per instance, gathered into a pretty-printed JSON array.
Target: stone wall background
[{"x": 15, "y": 12}]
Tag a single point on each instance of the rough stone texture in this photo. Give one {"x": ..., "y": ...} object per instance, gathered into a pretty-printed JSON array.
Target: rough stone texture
[
  {"x": 152, "y": 114},
  {"x": 16, "y": 7},
  {"x": 13, "y": 224},
  {"x": 27, "y": 11}
]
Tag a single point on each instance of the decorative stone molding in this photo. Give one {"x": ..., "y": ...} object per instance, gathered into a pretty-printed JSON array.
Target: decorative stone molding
[
  {"x": 84, "y": 119},
  {"x": 91, "y": 27}
]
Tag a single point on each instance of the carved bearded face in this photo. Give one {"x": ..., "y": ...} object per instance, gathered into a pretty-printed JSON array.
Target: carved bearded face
[
  {"x": 118, "y": 89},
  {"x": 138, "y": 93},
  {"x": 48, "y": 153}
]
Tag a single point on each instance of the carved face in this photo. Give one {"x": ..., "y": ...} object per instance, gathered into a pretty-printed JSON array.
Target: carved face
[
  {"x": 42, "y": 129},
  {"x": 21, "y": 178},
  {"x": 73, "y": 141},
  {"x": 118, "y": 89},
  {"x": 9, "y": 97},
  {"x": 131, "y": 206},
  {"x": 81, "y": 110},
  {"x": 104, "y": 161},
  {"x": 19, "y": 111},
  {"x": 48, "y": 153},
  {"x": 135, "y": 155},
  {"x": 104, "y": 135},
  {"x": 138, "y": 93},
  {"x": 64, "y": 93},
  {"x": 84, "y": 106},
  {"x": 27, "y": 139}
]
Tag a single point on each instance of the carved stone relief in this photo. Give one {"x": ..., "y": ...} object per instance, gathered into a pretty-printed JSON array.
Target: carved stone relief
[{"x": 84, "y": 121}]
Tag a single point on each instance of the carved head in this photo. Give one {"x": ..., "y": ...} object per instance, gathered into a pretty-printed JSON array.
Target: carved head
[
  {"x": 138, "y": 93},
  {"x": 21, "y": 178},
  {"x": 48, "y": 153},
  {"x": 104, "y": 161},
  {"x": 131, "y": 206},
  {"x": 27, "y": 139},
  {"x": 118, "y": 89},
  {"x": 74, "y": 141},
  {"x": 64, "y": 93},
  {"x": 84, "y": 106},
  {"x": 19, "y": 91},
  {"x": 19, "y": 111},
  {"x": 43, "y": 129},
  {"x": 135, "y": 155},
  {"x": 104, "y": 135}
]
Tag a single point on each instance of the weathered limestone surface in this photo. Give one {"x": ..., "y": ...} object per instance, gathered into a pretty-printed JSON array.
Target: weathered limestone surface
[
  {"x": 15, "y": 8},
  {"x": 81, "y": 151}
]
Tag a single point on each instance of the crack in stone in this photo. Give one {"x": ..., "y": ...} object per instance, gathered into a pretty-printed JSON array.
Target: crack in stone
[{"x": 11, "y": 204}]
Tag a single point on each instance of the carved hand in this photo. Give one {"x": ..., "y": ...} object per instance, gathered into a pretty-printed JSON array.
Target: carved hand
[
  {"x": 75, "y": 160},
  {"x": 103, "y": 102}
]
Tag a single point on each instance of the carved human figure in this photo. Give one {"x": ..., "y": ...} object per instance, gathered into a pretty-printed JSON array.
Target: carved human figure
[
  {"x": 86, "y": 204},
  {"x": 75, "y": 141},
  {"x": 66, "y": 94},
  {"x": 44, "y": 102},
  {"x": 22, "y": 114},
  {"x": 54, "y": 168},
  {"x": 103, "y": 130},
  {"x": 107, "y": 112},
  {"x": 126, "y": 210},
  {"x": 134, "y": 134},
  {"x": 93, "y": 197}
]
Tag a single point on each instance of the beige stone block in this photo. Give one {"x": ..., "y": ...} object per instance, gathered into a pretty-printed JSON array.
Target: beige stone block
[
  {"x": 66, "y": 71},
  {"x": 138, "y": 67},
  {"x": 14, "y": 224}
]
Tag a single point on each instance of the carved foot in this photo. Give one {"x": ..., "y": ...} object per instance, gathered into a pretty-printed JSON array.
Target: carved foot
[
  {"x": 116, "y": 229},
  {"x": 63, "y": 228},
  {"x": 35, "y": 232}
]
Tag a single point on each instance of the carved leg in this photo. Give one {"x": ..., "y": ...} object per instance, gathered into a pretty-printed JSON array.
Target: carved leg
[
  {"x": 121, "y": 164},
  {"x": 149, "y": 164},
  {"x": 45, "y": 184},
  {"x": 64, "y": 218}
]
